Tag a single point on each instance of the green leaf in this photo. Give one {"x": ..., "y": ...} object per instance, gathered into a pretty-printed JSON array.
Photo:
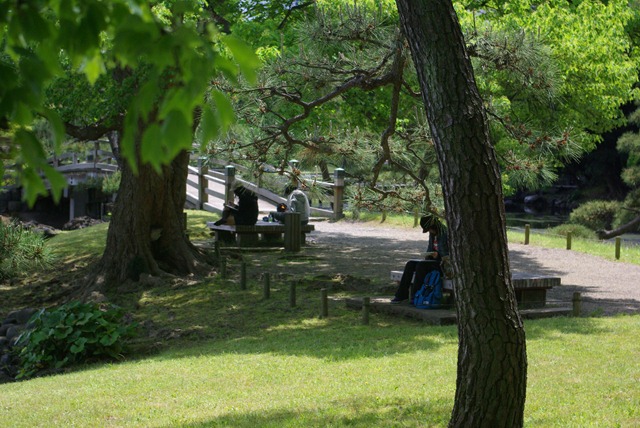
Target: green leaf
[
  {"x": 59, "y": 132},
  {"x": 245, "y": 57},
  {"x": 109, "y": 339},
  {"x": 177, "y": 135},
  {"x": 34, "y": 27},
  {"x": 226, "y": 114},
  {"x": 57, "y": 181},
  {"x": 228, "y": 68},
  {"x": 151, "y": 148},
  {"x": 93, "y": 67},
  {"x": 78, "y": 346},
  {"x": 209, "y": 126},
  {"x": 128, "y": 144}
]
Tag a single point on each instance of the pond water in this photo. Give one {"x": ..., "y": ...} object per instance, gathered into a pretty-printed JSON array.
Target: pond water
[{"x": 538, "y": 220}]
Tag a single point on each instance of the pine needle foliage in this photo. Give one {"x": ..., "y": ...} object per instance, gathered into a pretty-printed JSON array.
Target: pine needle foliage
[
  {"x": 22, "y": 250},
  {"x": 338, "y": 89}
]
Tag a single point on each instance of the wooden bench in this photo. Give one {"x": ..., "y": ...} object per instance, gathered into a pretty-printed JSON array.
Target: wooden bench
[
  {"x": 530, "y": 289},
  {"x": 262, "y": 231}
]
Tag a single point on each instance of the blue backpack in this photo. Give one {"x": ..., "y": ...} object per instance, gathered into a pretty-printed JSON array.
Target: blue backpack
[{"x": 430, "y": 294}]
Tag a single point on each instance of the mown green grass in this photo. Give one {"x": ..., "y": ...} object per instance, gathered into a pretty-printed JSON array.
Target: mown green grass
[
  {"x": 211, "y": 354},
  {"x": 311, "y": 372}
]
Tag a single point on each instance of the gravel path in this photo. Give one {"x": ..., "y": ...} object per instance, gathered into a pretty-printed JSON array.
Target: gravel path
[{"x": 372, "y": 250}]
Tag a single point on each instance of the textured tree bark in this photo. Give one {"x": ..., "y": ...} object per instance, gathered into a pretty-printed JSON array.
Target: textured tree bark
[
  {"x": 146, "y": 233},
  {"x": 492, "y": 363}
]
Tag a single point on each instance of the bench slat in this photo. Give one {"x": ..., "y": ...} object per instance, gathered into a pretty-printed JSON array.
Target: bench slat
[{"x": 260, "y": 227}]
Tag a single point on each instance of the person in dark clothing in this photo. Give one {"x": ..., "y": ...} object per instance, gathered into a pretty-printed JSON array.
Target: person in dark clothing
[
  {"x": 416, "y": 270},
  {"x": 244, "y": 212}
]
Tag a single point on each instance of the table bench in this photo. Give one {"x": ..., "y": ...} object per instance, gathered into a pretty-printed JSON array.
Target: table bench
[
  {"x": 268, "y": 233},
  {"x": 530, "y": 289}
]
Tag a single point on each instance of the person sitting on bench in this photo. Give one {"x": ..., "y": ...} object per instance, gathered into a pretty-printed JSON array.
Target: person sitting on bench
[
  {"x": 436, "y": 250},
  {"x": 244, "y": 212},
  {"x": 297, "y": 202}
]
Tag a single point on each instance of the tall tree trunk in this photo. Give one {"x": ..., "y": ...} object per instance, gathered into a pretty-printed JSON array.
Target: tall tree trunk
[
  {"x": 492, "y": 363},
  {"x": 146, "y": 233}
]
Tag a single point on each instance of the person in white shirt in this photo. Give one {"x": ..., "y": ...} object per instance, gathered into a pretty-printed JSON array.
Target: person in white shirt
[{"x": 297, "y": 202}]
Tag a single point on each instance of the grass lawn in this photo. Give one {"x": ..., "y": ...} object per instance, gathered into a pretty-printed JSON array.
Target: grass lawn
[{"x": 210, "y": 354}]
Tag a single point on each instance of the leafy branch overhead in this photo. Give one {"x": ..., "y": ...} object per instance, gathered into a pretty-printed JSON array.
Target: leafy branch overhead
[{"x": 176, "y": 45}]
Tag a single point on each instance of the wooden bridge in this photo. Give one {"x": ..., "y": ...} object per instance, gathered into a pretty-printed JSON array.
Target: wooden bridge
[{"x": 207, "y": 188}]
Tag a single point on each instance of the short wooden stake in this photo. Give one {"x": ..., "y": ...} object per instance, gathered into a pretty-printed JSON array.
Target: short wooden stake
[
  {"x": 527, "y": 231},
  {"x": 324, "y": 303},
  {"x": 223, "y": 268},
  {"x": 366, "y": 307},
  {"x": 266, "y": 285},
  {"x": 568, "y": 240},
  {"x": 243, "y": 276},
  {"x": 577, "y": 304},
  {"x": 292, "y": 294},
  {"x": 416, "y": 217},
  {"x": 384, "y": 217},
  {"x": 618, "y": 241},
  {"x": 216, "y": 248}
]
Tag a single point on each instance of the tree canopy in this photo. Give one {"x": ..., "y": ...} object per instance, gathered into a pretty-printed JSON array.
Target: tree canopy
[{"x": 552, "y": 79}]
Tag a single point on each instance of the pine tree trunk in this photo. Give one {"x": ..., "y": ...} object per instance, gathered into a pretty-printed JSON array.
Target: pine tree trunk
[
  {"x": 492, "y": 363},
  {"x": 146, "y": 233}
]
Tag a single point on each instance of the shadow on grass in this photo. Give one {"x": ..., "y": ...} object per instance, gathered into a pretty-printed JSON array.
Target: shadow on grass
[
  {"x": 358, "y": 412},
  {"x": 218, "y": 317}
]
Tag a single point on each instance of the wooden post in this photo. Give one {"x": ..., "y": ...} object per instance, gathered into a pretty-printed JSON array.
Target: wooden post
[
  {"x": 229, "y": 176},
  {"x": 618, "y": 241},
  {"x": 292, "y": 294},
  {"x": 243, "y": 276},
  {"x": 338, "y": 193},
  {"x": 577, "y": 304},
  {"x": 203, "y": 184},
  {"x": 527, "y": 230},
  {"x": 217, "y": 252},
  {"x": 384, "y": 216},
  {"x": 184, "y": 222},
  {"x": 292, "y": 232},
  {"x": 416, "y": 217},
  {"x": 266, "y": 285},
  {"x": 568, "y": 240},
  {"x": 366, "y": 307},
  {"x": 223, "y": 268},
  {"x": 324, "y": 303}
]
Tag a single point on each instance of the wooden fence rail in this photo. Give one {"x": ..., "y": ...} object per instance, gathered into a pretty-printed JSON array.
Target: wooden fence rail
[{"x": 208, "y": 189}]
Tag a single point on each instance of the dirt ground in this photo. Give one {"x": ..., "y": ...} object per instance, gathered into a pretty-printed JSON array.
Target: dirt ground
[{"x": 366, "y": 253}]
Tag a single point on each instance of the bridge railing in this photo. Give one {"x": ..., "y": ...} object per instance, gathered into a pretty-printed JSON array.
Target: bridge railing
[{"x": 203, "y": 183}]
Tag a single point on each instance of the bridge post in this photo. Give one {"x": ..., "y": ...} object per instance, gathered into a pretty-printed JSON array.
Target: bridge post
[
  {"x": 229, "y": 176},
  {"x": 292, "y": 232},
  {"x": 203, "y": 184},
  {"x": 338, "y": 193}
]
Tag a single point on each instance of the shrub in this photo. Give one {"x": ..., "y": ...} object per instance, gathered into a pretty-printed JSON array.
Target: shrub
[
  {"x": 72, "y": 333},
  {"x": 577, "y": 231},
  {"x": 596, "y": 215},
  {"x": 629, "y": 210},
  {"x": 22, "y": 250}
]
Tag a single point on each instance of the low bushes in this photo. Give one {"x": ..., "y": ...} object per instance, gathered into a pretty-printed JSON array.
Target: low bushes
[
  {"x": 596, "y": 215},
  {"x": 72, "y": 333},
  {"x": 576, "y": 230}
]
